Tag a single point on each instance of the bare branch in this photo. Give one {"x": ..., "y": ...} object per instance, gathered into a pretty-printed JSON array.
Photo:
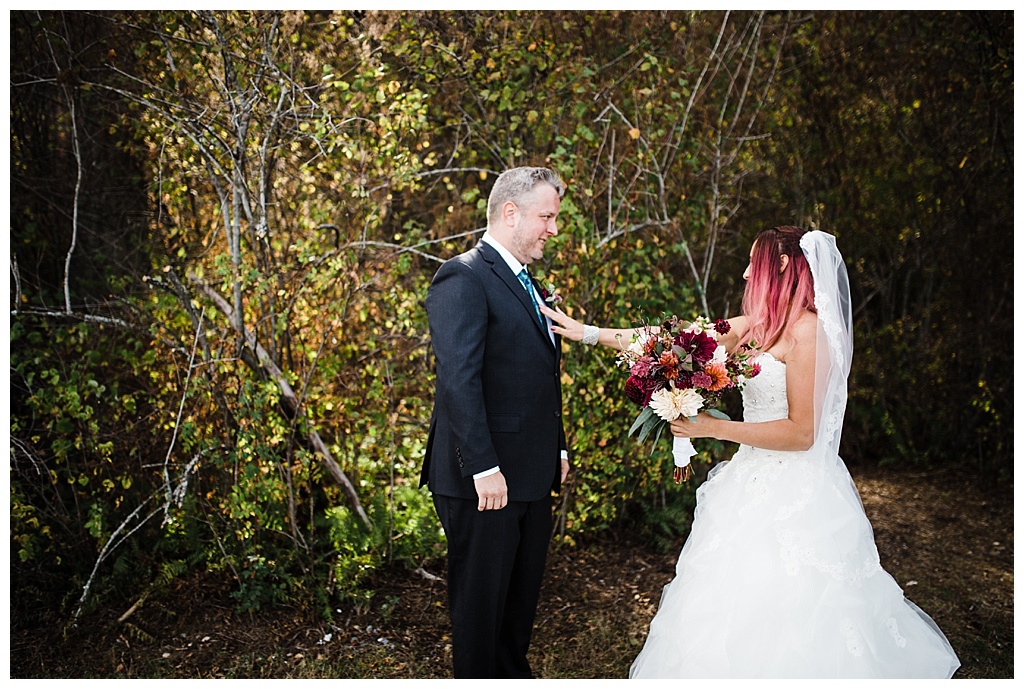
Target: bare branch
[
  {"x": 76, "y": 149},
  {"x": 173, "y": 494},
  {"x": 113, "y": 541},
  {"x": 289, "y": 396},
  {"x": 17, "y": 282},
  {"x": 177, "y": 421},
  {"x": 632, "y": 228}
]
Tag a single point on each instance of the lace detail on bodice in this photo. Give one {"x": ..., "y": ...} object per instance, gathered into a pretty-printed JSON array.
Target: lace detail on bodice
[{"x": 764, "y": 395}]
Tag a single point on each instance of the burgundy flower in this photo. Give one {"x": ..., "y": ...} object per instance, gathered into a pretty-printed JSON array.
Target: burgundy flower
[
  {"x": 700, "y": 346},
  {"x": 639, "y": 390},
  {"x": 635, "y": 391},
  {"x": 722, "y": 326}
]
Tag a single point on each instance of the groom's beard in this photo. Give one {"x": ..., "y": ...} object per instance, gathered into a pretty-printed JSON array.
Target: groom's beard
[{"x": 529, "y": 247}]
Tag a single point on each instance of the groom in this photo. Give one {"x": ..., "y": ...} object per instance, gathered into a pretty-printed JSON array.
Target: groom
[{"x": 496, "y": 448}]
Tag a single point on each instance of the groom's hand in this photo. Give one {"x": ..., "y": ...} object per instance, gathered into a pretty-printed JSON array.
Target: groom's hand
[{"x": 492, "y": 492}]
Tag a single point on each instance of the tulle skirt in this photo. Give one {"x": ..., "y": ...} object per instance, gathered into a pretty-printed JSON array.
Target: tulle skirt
[{"x": 780, "y": 578}]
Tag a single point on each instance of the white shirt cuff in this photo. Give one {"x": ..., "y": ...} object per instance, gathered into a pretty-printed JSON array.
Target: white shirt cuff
[{"x": 564, "y": 454}]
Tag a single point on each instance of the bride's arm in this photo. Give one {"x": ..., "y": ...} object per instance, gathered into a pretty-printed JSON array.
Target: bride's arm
[
  {"x": 795, "y": 432},
  {"x": 737, "y": 329},
  {"x": 571, "y": 329}
]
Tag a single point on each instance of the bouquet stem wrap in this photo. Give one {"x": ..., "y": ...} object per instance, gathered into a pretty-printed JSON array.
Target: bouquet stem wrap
[{"x": 682, "y": 451}]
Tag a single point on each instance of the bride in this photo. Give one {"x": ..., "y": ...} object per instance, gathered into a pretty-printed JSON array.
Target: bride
[{"x": 780, "y": 576}]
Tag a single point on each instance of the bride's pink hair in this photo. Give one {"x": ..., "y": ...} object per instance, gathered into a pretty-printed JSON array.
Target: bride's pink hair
[{"x": 772, "y": 298}]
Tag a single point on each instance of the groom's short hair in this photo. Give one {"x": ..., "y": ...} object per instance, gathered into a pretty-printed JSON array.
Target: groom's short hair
[{"x": 515, "y": 183}]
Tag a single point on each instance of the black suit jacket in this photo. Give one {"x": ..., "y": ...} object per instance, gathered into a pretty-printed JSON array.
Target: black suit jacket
[{"x": 498, "y": 398}]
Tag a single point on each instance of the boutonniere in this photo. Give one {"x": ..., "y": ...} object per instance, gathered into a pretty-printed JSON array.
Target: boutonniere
[{"x": 550, "y": 297}]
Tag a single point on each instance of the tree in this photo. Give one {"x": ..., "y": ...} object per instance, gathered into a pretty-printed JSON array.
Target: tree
[
  {"x": 892, "y": 131},
  {"x": 224, "y": 224}
]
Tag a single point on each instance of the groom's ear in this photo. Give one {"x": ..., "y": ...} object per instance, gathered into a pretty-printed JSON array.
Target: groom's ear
[{"x": 508, "y": 213}]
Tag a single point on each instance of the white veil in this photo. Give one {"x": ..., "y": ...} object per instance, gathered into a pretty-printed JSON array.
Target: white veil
[{"x": 834, "y": 342}]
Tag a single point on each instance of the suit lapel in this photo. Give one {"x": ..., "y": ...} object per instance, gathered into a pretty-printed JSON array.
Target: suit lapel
[{"x": 505, "y": 274}]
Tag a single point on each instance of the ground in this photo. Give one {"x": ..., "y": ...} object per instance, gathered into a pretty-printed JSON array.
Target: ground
[{"x": 946, "y": 541}]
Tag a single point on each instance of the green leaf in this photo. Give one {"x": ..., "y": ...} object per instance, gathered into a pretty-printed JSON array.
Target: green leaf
[
  {"x": 646, "y": 421},
  {"x": 657, "y": 437},
  {"x": 641, "y": 418}
]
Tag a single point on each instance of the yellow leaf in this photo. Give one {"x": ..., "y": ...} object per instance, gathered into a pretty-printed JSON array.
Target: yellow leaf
[{"x": 634, "y": 133}]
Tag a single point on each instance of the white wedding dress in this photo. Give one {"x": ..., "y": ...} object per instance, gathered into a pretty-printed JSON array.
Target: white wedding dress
[{"x": 780, "y": 576}]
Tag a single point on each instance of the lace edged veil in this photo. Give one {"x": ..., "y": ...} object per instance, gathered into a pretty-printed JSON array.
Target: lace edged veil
[{"x": 834, "y": 343}]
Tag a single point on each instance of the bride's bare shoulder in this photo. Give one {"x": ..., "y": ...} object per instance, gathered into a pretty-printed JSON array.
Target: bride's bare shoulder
[{"x": 805, "y": 327}]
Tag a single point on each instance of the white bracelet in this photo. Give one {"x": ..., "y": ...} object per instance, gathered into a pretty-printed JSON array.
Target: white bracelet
[{"x": 591, "y": 334}]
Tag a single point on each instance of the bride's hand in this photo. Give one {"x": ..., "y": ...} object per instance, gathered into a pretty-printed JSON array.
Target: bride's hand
[
  {"x": 562, "y": 324},
  {"x": 700, "y": 426}
]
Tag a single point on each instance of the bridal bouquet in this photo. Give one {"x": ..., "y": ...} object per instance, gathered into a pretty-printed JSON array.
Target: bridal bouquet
[{"x": 676, "y": 370}]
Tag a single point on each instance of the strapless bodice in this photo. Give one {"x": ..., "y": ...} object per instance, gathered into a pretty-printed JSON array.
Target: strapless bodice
[{"x": 764, "y": 395}]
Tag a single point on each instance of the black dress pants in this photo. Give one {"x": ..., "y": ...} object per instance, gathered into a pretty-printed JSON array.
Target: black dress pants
[{"x": 496, "y": 563}]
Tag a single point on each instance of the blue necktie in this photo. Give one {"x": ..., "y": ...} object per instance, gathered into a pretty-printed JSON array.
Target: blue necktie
[{"x": 524, "y": 278}]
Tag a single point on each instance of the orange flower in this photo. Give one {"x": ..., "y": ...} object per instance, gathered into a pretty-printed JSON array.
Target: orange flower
[
  {"x": 670, "y": 364},
  {"x": 719, "y": 376}
]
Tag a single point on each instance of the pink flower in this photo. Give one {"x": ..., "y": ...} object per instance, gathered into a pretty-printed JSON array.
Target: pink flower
[
  {"x": 642, "y": 367},
  {"x": 701, "y": 380}
]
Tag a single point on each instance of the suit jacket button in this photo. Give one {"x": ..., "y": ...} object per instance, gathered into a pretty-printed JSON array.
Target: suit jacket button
[{"x": 558, "y": 413}]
